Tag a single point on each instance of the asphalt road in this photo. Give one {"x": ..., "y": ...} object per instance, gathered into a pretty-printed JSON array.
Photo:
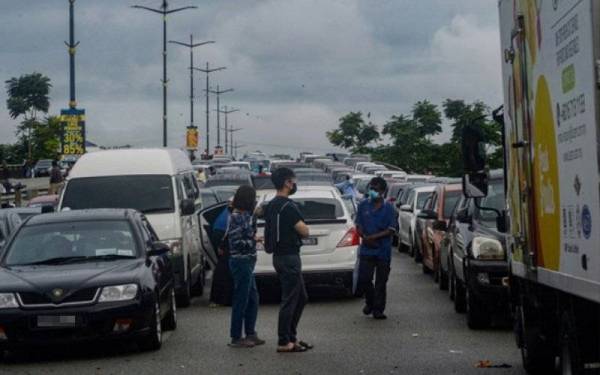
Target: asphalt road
[{"x": 423, "y": 335}]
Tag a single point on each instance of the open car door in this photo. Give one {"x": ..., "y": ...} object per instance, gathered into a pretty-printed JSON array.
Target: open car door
[{"x": 207, "y": 218}]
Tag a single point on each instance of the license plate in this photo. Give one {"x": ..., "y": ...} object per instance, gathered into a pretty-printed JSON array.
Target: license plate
[
  {"x": 47, "y": 321},
  {"x": 311, "y": 241}
]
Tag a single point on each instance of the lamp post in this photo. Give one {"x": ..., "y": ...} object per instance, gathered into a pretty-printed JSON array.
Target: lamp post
[
  {"x": 164, "y": 11},
  {"x": 226, "y": 129},
  {"x": 191, "y": 45},
  {"x": 218, "y": 93},
  {"x": 208, "y": 71},
  {"x": 231, "y": 131}
]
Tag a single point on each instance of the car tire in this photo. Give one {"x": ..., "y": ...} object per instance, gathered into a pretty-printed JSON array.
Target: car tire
[
  {"x": 477, "y": 316},
  {"x": 169, "y": 323},
  {"x": 184, "y": 298},
  {"x": 153, "y": 341},
  {"x": 459, "y": 296}
]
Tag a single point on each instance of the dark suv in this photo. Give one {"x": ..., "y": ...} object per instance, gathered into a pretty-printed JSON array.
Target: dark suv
[{"x": 477, "y": 259}]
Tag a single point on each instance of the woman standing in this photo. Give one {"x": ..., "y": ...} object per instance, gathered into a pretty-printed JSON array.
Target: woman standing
[{"x": 241, "y": 233}]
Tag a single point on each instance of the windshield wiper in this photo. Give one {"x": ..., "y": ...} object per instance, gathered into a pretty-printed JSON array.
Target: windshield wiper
[
  {"x": 159, "y": 209},
  {"x": 65, "y": 260}
]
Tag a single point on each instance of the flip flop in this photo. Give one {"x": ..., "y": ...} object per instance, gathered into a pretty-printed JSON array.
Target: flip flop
[
  {"x": 306, "y": 345},
  {"x": 295, "y": 349}
]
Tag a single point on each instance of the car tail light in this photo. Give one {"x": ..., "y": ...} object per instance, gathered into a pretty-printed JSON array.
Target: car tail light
[
  {"x": 351, "y": 238},
  {"x": 3, "y": 333},
  {"x": 122, "y": 325}
]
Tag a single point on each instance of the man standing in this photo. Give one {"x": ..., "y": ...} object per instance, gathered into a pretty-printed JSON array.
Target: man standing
[
  {"x": 376, "y": 223},
  {"x": 56, "y": 178},
  {"x": 284, "y": 230}
]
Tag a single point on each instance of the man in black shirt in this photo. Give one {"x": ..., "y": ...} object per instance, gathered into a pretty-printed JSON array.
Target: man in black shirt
[{"x": 283, "y": 218}]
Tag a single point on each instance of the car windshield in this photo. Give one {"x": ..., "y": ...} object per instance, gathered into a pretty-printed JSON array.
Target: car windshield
[
  {"x": 224, "y": 192},
  {"x": 225, "y": 182},
  {"x": 208, "y": 199},
  {"x": 495, "y": 200},
  {"x": 81, "y": 241},
  {"x": 263, "y": 183},
  {"x": 145, "y": 193},
  {"x": 450, "y": 200},
  {"x": 422, "y": 198}
]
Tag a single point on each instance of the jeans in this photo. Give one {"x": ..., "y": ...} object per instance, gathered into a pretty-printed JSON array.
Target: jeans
[
  {"x": 293, "y": 296},
  {"x": 368, "y": 267},
  {"x": 244, "y": 308}
]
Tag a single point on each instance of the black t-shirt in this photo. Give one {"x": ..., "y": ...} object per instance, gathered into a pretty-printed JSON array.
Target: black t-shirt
[{"x": 289, "y": 240}]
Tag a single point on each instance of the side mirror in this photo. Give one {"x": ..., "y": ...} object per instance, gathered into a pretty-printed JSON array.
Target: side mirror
[
  {"x": 440, "y": 225},
  {"x": 406, "y": 208},
  {"x": 428, "y": 215},
  {"x": 158, "y": 249},
  {"x": 188, "y": 207},
  {"x": 475, "y": 185},
  {"x": 475, "y": 181}
]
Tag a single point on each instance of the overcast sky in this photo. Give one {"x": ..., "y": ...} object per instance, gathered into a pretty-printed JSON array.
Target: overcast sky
[{"x": 296, "y": 65}]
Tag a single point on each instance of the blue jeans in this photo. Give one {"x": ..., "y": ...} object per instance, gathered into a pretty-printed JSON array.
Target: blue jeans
[{"x": 244, "y": 308}]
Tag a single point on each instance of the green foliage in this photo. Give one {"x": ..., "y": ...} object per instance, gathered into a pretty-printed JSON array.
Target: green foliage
[
  {"x": 27, "y": 95},
  {"x": 410, "y": 136}
]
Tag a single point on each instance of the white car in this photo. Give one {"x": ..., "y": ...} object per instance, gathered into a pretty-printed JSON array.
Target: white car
[
  {"x": 329, "y": 254},
  {"x": 407, "y": 219}
]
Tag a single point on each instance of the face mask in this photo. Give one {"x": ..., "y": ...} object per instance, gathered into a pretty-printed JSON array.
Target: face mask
[
  {"x": 373, "y": 195},
  {"x": 294, "y": 189}
]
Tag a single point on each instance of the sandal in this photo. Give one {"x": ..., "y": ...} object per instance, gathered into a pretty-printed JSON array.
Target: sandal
[
  {"x": 293, "y": 349},
  {"x": 306, "y": 345}
]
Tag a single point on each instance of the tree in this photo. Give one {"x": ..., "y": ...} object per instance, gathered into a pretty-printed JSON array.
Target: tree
[
  {"x": 28, "y": 95},
  {"x": 428, "y": 118},
  {"x": 353, "y": 133}
]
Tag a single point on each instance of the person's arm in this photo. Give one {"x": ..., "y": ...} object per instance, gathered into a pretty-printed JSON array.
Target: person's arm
[
  {"x": 302, "y": 229},
  {"x": 390, "y": 226},
  {"x": 296, "y": 217}
]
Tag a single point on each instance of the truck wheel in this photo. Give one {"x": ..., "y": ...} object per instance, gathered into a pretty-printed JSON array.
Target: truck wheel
[
  {"x": 570, "y": 359},
  {"x": 460, "y": 304},
  {"x": 169, "y": 323},
  {"x": 477, "y": 316},
  {"x": 536, "y": 355}
]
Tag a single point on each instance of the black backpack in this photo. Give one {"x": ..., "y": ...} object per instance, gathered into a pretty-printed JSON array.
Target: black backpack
[{"x": 272, "y": 227}]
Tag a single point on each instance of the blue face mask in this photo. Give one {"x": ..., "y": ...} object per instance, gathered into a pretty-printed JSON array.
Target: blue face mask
[{"x": 373, "y": 195}]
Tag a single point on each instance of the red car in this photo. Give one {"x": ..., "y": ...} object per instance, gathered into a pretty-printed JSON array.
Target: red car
[{"x": 434, "y": 217}]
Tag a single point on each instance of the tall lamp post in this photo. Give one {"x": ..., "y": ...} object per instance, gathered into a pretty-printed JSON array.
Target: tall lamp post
[
  {"x": 231, "y": 131},
  {"x": 191, "y": 45},
  {"x": 226, "y": 111},
  {"x": 208, "y": 71},
  {"x": 218, "y": 93},
  {"x": 164, "y": 11}
]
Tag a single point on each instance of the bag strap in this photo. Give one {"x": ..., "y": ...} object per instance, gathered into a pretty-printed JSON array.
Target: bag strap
[{"x": 278, "y": 215}]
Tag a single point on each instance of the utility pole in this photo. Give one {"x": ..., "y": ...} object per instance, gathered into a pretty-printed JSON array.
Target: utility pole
[
  {"x": 72, "y": 48},
  {"x": 208, "y": 71},
  {"x": 236, "y": 147},
  {"x": 231, "y": 131},
  {"x": 164, "y": 11},
  {"x": 226, "y": 112},
  {"x": 218, "y": 93},
  {"x": 191, "y": 45}
]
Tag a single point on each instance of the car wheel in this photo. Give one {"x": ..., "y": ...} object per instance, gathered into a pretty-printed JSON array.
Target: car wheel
[
  {"x": 184, "y": 299},
  {"x": 170, "y": 321},
  {"x": 153, "y": 341},
  {"x": 459, "y": 296},
  {"x": 477, "y": 316}
]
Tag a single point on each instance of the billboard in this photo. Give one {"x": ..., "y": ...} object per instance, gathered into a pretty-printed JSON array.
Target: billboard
[
  {"x": 72, "y": 140},
  {"x": 191, "y": 139}
]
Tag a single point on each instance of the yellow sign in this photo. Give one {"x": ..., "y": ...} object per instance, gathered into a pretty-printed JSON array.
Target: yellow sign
[
  {"x": 73, "y": 132},
  {"x": 191, "y": 139}
]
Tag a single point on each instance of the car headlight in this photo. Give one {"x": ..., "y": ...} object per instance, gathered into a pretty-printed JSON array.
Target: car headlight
[
  {"x": 487, "y": 249},
  {"x": 8, "y": 301},
  {"x": 175, "y": 246},
  {"x": 118, "y": 293}
]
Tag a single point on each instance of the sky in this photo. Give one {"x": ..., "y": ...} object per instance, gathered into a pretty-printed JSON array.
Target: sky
[{"x": 296, "y": 66}]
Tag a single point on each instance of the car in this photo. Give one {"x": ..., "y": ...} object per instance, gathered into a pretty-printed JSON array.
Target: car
[
  {"x": 418, "y": 178},
  {"x": 374, "y": 168},
  {"x": 161, "y": 184},
  {"x": 407, "y": 219},
  {"x": 446, "y": 244},
  {"x": 435, "y": 217},
  {"x": 353, "y": 160},
  {"x": 11, "y": 218},
  {"x": 83, "y": 276},
  {"x": 224, "y": 192},
  {"x": 478, "y": 258},
  {"x": 42, "y": 168},
  {"x": 50, "y": 200},
  {"x": 329, "y": 254},
  {"x": 312, "y": 179},
  {"x": 229, "y": 179},
  {"x": 339, "y": 174}
]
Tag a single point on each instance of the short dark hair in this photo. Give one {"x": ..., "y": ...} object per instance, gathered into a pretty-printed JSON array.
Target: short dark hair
[
  {"x": 244, "y": 198},
  {"x": 379, "y": 183},
  {"x": 280, "y": 176}
]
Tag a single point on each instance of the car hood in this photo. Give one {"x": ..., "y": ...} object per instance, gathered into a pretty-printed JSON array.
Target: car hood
[{"x": 70, "y": 277}]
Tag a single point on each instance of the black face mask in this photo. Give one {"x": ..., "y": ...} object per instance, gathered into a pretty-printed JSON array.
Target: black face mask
[{"x": 294, "y": 189}]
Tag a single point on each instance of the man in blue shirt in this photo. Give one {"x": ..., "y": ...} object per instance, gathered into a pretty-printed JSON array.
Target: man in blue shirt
[{"x": 376, "y": 223}]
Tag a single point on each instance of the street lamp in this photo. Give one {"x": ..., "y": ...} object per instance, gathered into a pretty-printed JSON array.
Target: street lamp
[
  {"x": 226, "y": 112},
  {"x": 191, "y": 45},
  {"x": 231, "y": 131},
  {"x": 164, "y": 10},
  {"x": 208, "y": 71},
  {"x": 218, "y": 93}
]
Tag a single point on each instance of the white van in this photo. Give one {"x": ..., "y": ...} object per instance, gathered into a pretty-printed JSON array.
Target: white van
[{"x": 161, "y": 184}]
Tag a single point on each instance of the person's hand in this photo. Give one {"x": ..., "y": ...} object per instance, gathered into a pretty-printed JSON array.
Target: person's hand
[{"x": 369, "y": 242}]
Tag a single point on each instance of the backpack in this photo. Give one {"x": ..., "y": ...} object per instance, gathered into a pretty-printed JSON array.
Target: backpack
[{"x": 272, "y": 231}]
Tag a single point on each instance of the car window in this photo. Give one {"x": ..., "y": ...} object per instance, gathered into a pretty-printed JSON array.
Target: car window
[
  {"x": 320, "y": 208},
  {"x": 435, "y": 202},
  {"x": 411, "y": 198},
  {"x": 85, "y": 240},
  {"x": 422, "y": 198},
  {"x": 209, "y": 199},
  {"x": 494, "y": 200},
  {"x": 451, "y": 199}
]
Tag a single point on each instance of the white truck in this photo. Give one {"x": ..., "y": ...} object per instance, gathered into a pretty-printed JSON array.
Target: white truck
[{"x": 551, "y": 67}]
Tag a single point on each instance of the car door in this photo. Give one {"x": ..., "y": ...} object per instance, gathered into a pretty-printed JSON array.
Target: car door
[
  {"x": 161, "y": 267},
  {"x": 463, "y": 235},
  {"x": 189, "y": 228},
  {"x": 206, "y": 218}
]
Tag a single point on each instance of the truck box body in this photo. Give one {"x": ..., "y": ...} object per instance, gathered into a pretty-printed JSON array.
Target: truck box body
[{"x": 550, "y": 84}]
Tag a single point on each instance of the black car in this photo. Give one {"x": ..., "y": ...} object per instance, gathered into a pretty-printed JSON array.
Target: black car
[
  {"x": 85, "y": 275},
  {"x": 477, "y": 262},
  {"x": 11, "y": 218}
]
